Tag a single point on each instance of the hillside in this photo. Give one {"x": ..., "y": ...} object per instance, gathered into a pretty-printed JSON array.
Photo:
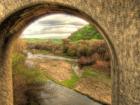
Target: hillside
[{"x": 85, "y": 33}]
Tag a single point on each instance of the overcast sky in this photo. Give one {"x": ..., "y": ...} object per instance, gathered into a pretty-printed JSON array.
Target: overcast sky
[{"x": 53, "y": 26}]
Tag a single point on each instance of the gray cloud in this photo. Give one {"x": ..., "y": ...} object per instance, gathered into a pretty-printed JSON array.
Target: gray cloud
[
  {"x": 55, "y": 24},
  {"x": 51, "y": 22}
]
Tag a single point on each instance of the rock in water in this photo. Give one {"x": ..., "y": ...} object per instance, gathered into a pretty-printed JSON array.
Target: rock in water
[{"x": 54, "y": 94}]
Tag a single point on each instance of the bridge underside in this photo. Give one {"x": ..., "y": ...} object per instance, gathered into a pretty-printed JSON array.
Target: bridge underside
[{"x": 117, "y": 20}]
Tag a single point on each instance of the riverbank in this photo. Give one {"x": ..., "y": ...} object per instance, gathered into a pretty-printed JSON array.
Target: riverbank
[{"x": 90, "y": 82}]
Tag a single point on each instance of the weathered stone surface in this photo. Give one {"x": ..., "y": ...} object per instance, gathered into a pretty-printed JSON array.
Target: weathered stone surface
[{"x": 117, "y": 20}]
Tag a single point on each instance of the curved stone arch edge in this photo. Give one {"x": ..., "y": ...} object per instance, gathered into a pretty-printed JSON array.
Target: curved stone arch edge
[{"x": 11, "y": 28}]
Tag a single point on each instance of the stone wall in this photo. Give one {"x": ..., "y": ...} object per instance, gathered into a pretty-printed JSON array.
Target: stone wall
[{"x": 117, "y": 20}]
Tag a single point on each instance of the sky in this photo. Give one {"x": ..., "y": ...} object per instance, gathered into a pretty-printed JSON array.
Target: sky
[{"x": 53, "y": 26}]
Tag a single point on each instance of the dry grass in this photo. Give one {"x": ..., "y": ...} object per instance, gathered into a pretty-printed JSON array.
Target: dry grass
[
  {"x": 89, "y": 52},
  {"x": 58, "y": 70},
  {"x": 19, "y": 46},
  {"x": 95, "y": 88}
]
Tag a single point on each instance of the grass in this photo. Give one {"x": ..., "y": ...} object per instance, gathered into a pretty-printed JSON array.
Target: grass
[
  {"x": 90, "y": 72},
  {"x": 86, "y": 33},
  {"x": 31, "y": 75},
  {"x": 36, "y": 51},
  {"x": 56, "y": 41},
  {"x": 38, "y": 40},
  {"x": 71, "y": 82},
  {"x": 34, "y": 40},
  {"x": 35, "y": 75}
]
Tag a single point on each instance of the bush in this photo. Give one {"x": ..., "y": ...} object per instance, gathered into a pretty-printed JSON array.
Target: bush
[
  {"x": 94, "y": 52},
  {"x": 72, "y": 50},
  {"x": 65, "y": 45},
  {"x": 49, "y": 46}
]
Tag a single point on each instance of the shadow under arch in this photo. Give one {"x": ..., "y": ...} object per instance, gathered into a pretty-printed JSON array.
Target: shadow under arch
[{"x": 15, "y": 23}]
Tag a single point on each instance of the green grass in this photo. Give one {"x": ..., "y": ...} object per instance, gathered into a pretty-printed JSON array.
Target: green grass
[
  {"x": 71, "y": 82},
  {"x": 34, "y": 40},
  {"x": 86, "y": 33},
  {"x": 36, "y": 51},
  {"x": 56, "y": 41},
  {"x": 90, "y": 73},
  {"x": 31, "y": 75},
  {"x": 38, "y": 40}
]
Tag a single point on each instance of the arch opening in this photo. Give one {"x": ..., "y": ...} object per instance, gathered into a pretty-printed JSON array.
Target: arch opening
[{"x": 14, "y": 25}]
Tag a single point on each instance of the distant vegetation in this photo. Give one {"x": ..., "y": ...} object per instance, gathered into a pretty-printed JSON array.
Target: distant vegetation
[
  {"x": 88, "y": 52},
  {"x": 37, "y": 40},
  {"x": 18, "y": 63},
  {"x": 86, "y": 33},
  {"x": 86, "y": 44}
]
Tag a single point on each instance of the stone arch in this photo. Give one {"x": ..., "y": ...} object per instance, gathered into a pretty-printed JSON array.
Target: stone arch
[{"x": 15, "y": 23}]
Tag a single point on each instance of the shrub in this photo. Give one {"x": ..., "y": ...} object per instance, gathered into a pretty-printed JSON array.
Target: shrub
[
  {"x": 72, "y": 50},
  {"x": 65, "y": 44},
  {"x": 91, "y": 52},
  {"x": 50, "y": 46}
]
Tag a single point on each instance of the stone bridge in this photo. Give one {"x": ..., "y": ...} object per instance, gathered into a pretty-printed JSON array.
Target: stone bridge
[{"x": 117, "y": 20}]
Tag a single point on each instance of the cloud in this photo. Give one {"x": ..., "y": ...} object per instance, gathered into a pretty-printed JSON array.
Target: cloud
[
  {"x": 51, "y": 22},
  {"x": 55, "y": 24}
]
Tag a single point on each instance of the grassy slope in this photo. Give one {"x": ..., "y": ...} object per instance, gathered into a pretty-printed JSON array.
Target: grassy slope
[{"x": 86, "y": 33}]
